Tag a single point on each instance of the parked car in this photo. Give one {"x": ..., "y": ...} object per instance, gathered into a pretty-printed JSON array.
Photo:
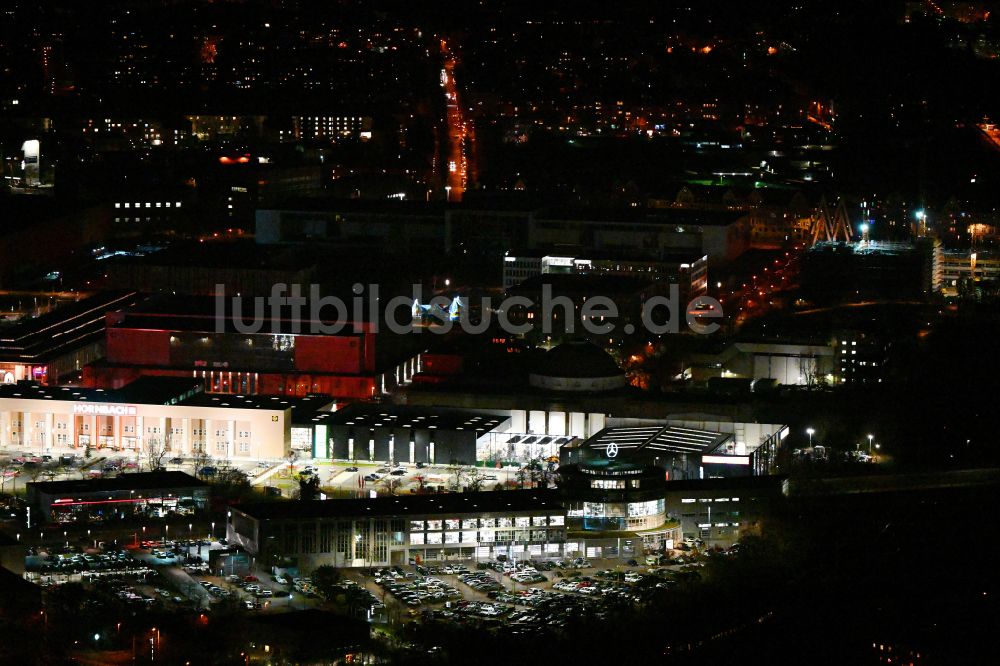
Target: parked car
[{"x": 351, "y": 469}]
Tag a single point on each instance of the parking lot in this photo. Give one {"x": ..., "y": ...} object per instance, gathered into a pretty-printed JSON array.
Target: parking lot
[{"x": 529, "y": 596}]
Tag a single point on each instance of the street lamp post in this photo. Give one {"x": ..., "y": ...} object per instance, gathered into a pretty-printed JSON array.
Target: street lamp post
[
  {"x": 447, "y": 193},
  {"x": 810, "y": 432},
  {"x": 870, "y": 438}
]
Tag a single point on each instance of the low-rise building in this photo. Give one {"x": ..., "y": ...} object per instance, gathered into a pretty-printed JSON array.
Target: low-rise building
[
  {"x": 392, "y": 530},
  {"x": 104, "y": 500},
  {"x": 59, "y": 342},
  {"x": 787, "y": 363},
  {"x": 721, "y": 510},
  {"x": 398, "y": 433},
  {"x": 151, "y": 416},
  {"x": 689, "y": 271},
  {"x": 958, "y": 271},
  {"x": 618, "y": 499}
]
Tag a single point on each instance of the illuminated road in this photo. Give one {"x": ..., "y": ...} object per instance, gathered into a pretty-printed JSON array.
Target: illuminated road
[
  {"x": 459, "y": 145},
  {"x": 991, "y": 133},
  {"x": 753, "y": 298}
]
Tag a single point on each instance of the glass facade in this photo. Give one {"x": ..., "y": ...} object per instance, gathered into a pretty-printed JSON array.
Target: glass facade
[{"x": 378, "y": 541}]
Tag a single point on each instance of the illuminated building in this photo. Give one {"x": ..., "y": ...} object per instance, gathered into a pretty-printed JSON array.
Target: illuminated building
[
  {"x": 59, "y": 342},
  {"x": 186, "y": 338},
  {"x": 408, "y": 435},
  {"x": 148, "y": 417},
  {"x": 330, "y": 127},
  {"x": 787, "y": 363},
  {"x": 612, "y": 495},
  {"x": 391, "y": 530},
  {"x": 961, "y": 271},
  {"x": 689, "y": 272},
  {"x": 153, "y": 494},
  {"x": 721, "y": 509}
]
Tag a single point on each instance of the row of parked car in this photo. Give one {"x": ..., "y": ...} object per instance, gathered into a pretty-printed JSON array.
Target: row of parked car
[
  {"x": 421, "y": 591},
  {"x": 448, "y": 569},
  {"x": 215, "y": 590},
  {"x": 526, "y": 575},
  {"x": 481, "y": 582},
  {"x": 71, "y": 563},
  {"x": 485, "y": 609}
]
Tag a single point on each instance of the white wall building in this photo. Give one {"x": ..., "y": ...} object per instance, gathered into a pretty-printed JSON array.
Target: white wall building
[{"x": 47, "y": 419}]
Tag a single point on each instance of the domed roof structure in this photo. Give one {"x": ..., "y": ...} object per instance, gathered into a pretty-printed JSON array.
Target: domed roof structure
[{"x": 577, "y": 366}]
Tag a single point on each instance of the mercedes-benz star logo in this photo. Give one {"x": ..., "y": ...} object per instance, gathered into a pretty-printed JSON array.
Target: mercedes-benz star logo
[{"x": 612, "y": 450}]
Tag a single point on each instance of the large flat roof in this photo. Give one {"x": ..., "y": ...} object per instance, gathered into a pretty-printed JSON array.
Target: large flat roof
[
  {"x": 145, "y": 391},
  {"x": 300, "y": 406},
  {"x": 64, "y": 329},
  {"x": 588, "y": 283},
  {"x": 656, "y": 439},
  {"x": 407, "y": 416},
  {"x": 186, "y": 392},
  {"x": 136, "y": 481},
  {"x": 200, "y": 314},
  {"x": 681, "y": 216},
  {"x": 390, "y": 505}
]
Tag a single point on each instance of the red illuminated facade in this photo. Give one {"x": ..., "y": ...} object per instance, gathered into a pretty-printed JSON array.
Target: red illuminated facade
[{"x": 186, "y": 343}]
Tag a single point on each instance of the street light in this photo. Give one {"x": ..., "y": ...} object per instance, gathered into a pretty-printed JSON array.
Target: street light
[
  {"x": 810, "y": 432},
  {"x": 870, "y": 438},
  {"x": 447, "y": 192}
]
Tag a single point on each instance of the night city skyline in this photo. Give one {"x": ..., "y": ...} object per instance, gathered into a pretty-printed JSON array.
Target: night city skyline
[{"x": 407, "y": 333}]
